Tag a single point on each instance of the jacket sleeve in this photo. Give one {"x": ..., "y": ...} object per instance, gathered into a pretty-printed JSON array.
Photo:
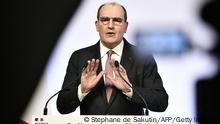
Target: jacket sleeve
[
  {"x": 68, "y": 100},
  {"x": 149, "y": 84}
]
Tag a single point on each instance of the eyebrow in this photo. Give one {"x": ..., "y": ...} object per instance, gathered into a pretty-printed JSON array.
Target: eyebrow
[{"x": 106, "y": 17}]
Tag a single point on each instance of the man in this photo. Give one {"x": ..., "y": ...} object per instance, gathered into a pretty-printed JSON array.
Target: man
[{"x": 141, "y": 82}]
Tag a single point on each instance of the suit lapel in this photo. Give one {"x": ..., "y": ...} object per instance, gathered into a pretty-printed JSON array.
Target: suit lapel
[{"x": 127, "y": 59}]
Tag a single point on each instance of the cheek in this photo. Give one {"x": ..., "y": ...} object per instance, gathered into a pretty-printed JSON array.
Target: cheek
[
  {"x": 97, "y": 28},
  {"x": 121, "y": 32}
]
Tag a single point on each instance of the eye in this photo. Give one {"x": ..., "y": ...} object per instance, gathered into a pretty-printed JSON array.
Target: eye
[
  {"x": 104, "y": 19},
  {"x": 117, "y": 20}
]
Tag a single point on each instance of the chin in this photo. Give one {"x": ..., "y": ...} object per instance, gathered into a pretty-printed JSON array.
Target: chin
[{"x": 111, "y": 40}]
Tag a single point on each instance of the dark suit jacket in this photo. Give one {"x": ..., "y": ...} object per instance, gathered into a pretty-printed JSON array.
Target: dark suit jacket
[{"x": 142, "y": 73}]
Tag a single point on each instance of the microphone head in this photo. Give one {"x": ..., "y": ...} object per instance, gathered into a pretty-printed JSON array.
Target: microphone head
[{"x": 116, "y": 64}]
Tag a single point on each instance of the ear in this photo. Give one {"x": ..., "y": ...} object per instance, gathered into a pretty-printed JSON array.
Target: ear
[
  {"x": 126, "y": 26},
  {"x": 97, "y": 26}
]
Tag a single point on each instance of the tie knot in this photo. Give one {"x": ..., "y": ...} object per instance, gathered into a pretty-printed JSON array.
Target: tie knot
[{"x": 110, "y": 53}]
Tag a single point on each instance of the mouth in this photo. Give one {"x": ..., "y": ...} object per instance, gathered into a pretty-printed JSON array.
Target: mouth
[{"x": 110, "y": 34}]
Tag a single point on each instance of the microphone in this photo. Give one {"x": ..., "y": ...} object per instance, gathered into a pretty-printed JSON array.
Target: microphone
[
  {"x": 134, "y": 89},
  {"x": 63, "y": 89}
]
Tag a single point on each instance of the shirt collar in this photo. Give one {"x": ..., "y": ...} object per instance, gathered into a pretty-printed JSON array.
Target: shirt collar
[{"x": 117, "y": 50}]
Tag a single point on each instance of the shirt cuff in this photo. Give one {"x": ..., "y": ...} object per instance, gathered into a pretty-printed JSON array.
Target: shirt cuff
[
  {"x": 81, "y": 95},
  {"x": 129, "y": 94}
]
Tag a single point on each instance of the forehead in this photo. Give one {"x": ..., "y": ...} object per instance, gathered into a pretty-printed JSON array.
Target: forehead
[{"x": 112, "y": 11}]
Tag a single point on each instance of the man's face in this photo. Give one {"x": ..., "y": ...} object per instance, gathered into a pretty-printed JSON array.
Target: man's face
[{"x": 111, "y": 25}]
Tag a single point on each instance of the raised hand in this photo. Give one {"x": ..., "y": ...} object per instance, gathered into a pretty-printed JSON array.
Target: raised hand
[
  {"x": 117, "y": 81},
  {"x": 89, "y": 77}
]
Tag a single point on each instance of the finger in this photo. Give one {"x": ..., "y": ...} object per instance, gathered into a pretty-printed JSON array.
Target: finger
[
  {"x": 124, "y": 73},
  {"x": 112, "y": 63},
  {"x": 122, "y": 69},
  {"x": 109, "y": 77},
  {"x": 114, "y": 81},
  {"x": 88, "y": 66},
  {"x": 92, "y": 65},
  {"x": 99, "y": 76},
  {"x": 84, "y": 71},
  {"x": 116, "y": 71},
  {"x": 96, "y": 65}
]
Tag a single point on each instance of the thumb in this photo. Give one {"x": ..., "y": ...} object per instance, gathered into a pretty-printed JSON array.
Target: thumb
[{"x": 99, "y": 76}]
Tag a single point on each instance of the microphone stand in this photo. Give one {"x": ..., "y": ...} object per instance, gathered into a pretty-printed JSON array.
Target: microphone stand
[
  {"x": 134, "y": 89},
  {"x": 63, "y": 89}
]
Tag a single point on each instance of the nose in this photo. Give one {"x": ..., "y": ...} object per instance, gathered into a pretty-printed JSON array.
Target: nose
[{"x": 110, "y": 24}]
